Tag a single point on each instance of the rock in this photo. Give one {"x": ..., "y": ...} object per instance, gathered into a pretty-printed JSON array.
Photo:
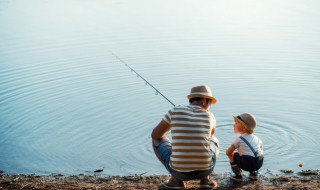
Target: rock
[
  {"x": 286, "y": 171},
  {"x": 309, "y": 172}
]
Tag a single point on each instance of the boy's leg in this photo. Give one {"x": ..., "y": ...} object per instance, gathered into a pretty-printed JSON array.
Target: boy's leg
[
  {"x": 254, "y": 173},
  {"x": 250, "y": 163},
  {"x": 235, "y": 167}
]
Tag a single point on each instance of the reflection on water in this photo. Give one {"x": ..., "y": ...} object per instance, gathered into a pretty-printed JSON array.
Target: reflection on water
[{"x": 69, "y": 106}]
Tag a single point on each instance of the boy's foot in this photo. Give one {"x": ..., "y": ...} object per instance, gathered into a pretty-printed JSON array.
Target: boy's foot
[
  {"x": 207, "y": 183},
  {"x": 173, "y": 183},
  {"x": 253, "y": 175},
  {"x": 235, "y": 177}
]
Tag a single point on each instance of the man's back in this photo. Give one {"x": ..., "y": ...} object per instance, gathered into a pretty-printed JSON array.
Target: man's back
[{"x": 191, "y": 128}]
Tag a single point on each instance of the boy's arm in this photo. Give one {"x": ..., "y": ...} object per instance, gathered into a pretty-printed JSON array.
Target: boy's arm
[{"x": 230, "y": 151}]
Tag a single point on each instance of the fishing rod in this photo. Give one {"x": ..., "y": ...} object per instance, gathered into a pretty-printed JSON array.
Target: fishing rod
[{"x": 147, "y": 82}]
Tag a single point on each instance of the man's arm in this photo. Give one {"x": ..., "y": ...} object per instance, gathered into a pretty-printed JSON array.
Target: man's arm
[
  {"x": 160, "y": 131},
  {"x": 212, "y": 132}
]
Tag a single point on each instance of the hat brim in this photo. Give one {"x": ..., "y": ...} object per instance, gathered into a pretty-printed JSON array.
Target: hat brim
[
  {"x": 213, "y": 100},
  {"x": 243, "y": 123}
]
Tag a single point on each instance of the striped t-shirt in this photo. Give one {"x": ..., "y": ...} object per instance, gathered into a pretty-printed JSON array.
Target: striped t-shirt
[{"x": 191, "y": 128}]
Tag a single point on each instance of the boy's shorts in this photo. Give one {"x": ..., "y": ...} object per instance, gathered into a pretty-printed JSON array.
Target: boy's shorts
[
  {"x": 248, "y": 163},
  {"x": 163, "y": 149}
]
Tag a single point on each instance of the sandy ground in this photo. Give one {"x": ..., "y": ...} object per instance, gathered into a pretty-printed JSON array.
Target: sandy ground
[{"x": 308, "y": 179}]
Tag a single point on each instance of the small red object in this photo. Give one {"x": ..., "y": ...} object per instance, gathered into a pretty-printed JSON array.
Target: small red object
[{"x": 300, "y": 165}]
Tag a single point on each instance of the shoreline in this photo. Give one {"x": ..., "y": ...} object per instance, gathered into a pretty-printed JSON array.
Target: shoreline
[{"x": 306, "y": 179}]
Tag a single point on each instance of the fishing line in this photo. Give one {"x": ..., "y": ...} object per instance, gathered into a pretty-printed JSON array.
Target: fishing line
[{"x": 147, "y": 82}]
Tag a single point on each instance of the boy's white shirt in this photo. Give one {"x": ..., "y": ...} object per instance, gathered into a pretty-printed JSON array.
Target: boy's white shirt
[{"x": 244, "y": 149}]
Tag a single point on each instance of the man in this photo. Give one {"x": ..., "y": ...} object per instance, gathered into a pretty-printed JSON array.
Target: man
[{"x": 194, "y": 148}]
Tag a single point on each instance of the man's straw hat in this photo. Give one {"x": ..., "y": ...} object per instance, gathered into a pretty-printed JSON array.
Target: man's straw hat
[
  {"x": 203, "y": 91},
  {"x": 247, "y": 120}
]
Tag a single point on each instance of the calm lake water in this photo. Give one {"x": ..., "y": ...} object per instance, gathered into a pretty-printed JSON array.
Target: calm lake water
[{"x": 67, "y": 105}]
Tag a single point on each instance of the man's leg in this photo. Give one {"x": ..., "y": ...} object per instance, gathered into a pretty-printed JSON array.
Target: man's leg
[
  {"x": 156, "y": 143},
  {"x": 207, "y": 182},
  {"x": 162, "y": 149}
]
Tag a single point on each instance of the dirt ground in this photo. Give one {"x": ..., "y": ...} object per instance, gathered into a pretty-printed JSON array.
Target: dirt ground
[{"x": 308, "y": 179}]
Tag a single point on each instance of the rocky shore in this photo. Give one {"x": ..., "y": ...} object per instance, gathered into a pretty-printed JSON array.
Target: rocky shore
[{"x": 306, "y": 179}]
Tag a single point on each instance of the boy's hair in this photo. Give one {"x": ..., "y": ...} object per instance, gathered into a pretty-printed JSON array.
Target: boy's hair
[
  {"x": 247, "y": 131},
  {"x": 247, "y": 120}
]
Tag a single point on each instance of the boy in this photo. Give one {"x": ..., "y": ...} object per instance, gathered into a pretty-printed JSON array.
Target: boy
[{"x": 250, "y": 149}]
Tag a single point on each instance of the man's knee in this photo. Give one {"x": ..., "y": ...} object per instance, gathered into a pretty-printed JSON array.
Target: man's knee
[
  {"x": 155, "y": 142},
  {"x": 214, "y": 147}
]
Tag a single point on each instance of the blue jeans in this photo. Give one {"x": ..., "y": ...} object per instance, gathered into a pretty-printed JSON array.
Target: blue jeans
[{"x": 163, "y": 150}]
